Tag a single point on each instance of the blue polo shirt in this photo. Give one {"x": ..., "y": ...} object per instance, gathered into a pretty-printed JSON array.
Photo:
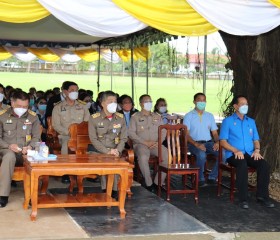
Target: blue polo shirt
[
  {"x": 199, "y": 126},
  {"x": 240, "y": 134}
]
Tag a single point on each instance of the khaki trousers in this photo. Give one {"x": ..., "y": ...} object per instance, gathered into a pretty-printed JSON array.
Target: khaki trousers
[
  {"x": 143, "y": 154},
  {"x": 9, "y": 160},
  {"x": 63, "y": 140}
]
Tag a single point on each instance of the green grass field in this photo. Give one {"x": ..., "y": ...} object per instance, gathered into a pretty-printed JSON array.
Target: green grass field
[{"x": 177, "y": 91}]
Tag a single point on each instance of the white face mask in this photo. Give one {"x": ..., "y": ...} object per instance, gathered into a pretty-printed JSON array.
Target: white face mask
[
  {"x": 148, "y": 106},
  {"x": 20, "y": 111},
  {"x": 88, "y": 105},
  {"x": 162, "y": 109},
  {"x": 73, "y": 95},
  {"x": 1, "y": 97},
  {"x": 112, "y": 107}
]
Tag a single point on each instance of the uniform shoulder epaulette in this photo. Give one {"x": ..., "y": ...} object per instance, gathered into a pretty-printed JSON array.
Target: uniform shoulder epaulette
[
  {"x": 134, "y": 114},
  {"x": 82, "y": 102},
  {"x": 31, "y": 112},
  {"x": 95, "y": 115},
  {"x": 56, "y": 103},
  {"x": 3, "y": 111},
  {"x": 119, "y": 114}
]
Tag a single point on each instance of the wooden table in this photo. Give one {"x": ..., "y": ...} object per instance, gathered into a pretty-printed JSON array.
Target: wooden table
[{"x": 100, "y": 164}]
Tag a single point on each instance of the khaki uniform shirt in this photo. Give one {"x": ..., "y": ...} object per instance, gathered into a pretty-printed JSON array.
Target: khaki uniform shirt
[
  {"x": 63, "y": 115},
  {"x": 23, "y": 131},
  {"x": 105, "y": 134},
  {"x": 144, "y": 128}
]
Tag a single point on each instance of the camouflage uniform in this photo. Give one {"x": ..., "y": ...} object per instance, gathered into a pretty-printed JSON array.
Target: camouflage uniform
[
  {"x": 107, "y": 134},
  {"x": 23, "y": 131}
]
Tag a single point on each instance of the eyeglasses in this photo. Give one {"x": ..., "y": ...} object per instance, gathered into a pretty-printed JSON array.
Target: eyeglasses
[{"x": 43, "y": 103}]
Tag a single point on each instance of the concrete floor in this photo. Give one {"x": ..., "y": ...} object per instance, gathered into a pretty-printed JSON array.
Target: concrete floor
[{"x": 57, "y": 224}]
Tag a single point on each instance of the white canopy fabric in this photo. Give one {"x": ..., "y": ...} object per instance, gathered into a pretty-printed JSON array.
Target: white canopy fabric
[
  {"x": 21, "y": 53},
  {"x": 94, "y": 17},
  {"x": 239, "y": 17}
]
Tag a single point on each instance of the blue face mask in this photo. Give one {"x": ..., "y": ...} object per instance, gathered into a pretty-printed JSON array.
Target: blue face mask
[
  {"x": 42, "y": 107},
  {"x": 243, "y": 109},
  {"x": 200, "y": 105}
]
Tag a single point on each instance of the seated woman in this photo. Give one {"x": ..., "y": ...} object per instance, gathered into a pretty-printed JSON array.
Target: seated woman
[
  {"x": 127, "y": 105},
  {"x": 161, "y": 108},
  {"x": 41, "y": 106},
  {"x": 85, "y": 97}
]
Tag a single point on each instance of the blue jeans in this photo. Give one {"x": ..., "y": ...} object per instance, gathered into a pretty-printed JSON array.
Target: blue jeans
[{"x": 201, "y": 159}]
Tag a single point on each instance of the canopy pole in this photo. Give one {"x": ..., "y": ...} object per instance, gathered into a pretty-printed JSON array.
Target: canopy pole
[
  {"x": 111, "y": 69},
  {"x": 98, "y": 69},
  {"x": 147, "y": 75},
  {"x": 132, "y": 71},
  {"x": 204, "y": 64}
]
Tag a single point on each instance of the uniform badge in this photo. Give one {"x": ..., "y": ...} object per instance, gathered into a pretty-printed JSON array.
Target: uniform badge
[
  {"x": 114, "y": 130},
  {"x": 117, "y": 140},
  {"x": 9, "y": 121},
  {"x": 27, "y": 138},
  {"x": 27, "y": 122},
  {"x": 63, "y": 109},
  {"x": 142, "y": 127},
  {"x": 24, "y": 127},
  {"x": 116, "y": 125},
  {"x": 141, "y": 120}
]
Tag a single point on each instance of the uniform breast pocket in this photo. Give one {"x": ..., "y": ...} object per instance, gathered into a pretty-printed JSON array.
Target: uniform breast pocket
[
  {"x": 9, "y": 127},
  {"x": 101, "y": 132},
  {"x": 141, "y": 127}
]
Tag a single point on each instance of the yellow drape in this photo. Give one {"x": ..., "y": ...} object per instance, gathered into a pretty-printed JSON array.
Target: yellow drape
[
  {"x": 275, "y": 2},
  {"x": 21, "y": 11},
  {"x": 175, "y": 17},
  {"x": 4, "y": 54},
  {"x": 88, "y": 55},
  {"x": 138, "y": 53},
  {"x": 44, "y": 54}
]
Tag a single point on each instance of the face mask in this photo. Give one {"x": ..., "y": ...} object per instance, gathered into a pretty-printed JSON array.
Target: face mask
[
  {"x": 243, "y": 109},
  {"x": 88, "y": 105},
  {"x": 112, "y": 107},
  {"x": 42, "y": 107},
  {"x": 162, "y": 109},
  {"x": 20, "y": 111},
  {"x": 31, "y": 102},
  {"x": 200, "y": 105},
  {"x": 1, "y": 97},
  {"x": 73, "y": 95},
  {"x": 148, "y": 106}
]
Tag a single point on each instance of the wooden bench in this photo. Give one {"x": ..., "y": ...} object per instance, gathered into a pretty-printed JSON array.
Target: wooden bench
[{"x": 78, "y": 144}]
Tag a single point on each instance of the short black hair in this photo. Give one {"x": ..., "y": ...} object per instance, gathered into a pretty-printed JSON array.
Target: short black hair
[
  {"x": 142, "y": 96},
  {"x": 236, "y": 99},
  {"x": 90, "y": 93},
  {"x": 66, "y": 85},
  {"x": 17, "y": 94},
  {"x": 198, "y": 94},
  {"x": 124, "y": 96},
  {"x": 107, "y": 94}
]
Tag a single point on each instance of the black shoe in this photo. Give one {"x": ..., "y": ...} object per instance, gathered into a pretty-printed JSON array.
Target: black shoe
[
  {"x": 202, "y": 184},
  {"x": 3, "y": 201},
  {"x": 115, "y": 194},
  {"x": 244, "y": 205},
  {"x": 211, "y": 182},
  {"x": 14, "y": 183},
  {"x": 265, "y": 202},
  {"x": 65, "y": 179},
  {"x": 152, "y": 188}
]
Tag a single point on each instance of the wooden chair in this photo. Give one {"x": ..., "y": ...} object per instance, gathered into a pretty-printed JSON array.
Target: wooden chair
[
  {"x": 52, "y": 138},
  {"x": 232, "y": 173},
  {"x": 78, "y": 144},
  {"x": 178, "y": 164}
]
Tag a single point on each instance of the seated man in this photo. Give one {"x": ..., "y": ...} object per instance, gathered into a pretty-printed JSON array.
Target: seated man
[
  {"x": 107, "y": 132},
  {"x": 200, "y": 123},
  {"x": 19, "y": 131},
  {"x": 66, "y": 113},
  {"x": 239, "y": 136},
  {"x": 143, "y": 131}
]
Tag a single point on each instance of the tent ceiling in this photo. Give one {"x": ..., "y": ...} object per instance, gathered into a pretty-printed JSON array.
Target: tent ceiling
[{"x": 48, "y": 31}]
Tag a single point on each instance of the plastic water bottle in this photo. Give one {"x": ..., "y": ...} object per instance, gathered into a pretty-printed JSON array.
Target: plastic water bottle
[{"x": 44, "y": 150}]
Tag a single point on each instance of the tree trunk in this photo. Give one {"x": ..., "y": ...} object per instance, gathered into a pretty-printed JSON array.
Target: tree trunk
[{"x": 255, "y": 62}]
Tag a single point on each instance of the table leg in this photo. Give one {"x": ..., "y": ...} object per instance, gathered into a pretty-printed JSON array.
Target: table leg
[
  {"x": 27, "y": 190},
  {"x": 34, "y": 196},
  {"x": 110, "y": 180},
  {"x": 122, "y": 192}
]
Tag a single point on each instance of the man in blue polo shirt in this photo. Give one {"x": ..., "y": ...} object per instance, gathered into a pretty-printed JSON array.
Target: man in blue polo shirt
[
  {"x": 240, "y": 138},
  {"x": 200, "y": 126}
]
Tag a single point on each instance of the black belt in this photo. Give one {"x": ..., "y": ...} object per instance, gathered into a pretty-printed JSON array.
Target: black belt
[{"x": 201, "y": 141}]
